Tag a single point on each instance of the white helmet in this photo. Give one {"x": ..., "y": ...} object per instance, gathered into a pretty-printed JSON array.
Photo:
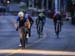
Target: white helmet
[
  {"x": 57, "y": 12},
  {"x": 20, "y": 14}
]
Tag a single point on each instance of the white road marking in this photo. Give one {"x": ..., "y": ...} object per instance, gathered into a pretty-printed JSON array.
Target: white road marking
[
  {"x": 36, "y": 52},
  {"x": 35, "y": 42}
]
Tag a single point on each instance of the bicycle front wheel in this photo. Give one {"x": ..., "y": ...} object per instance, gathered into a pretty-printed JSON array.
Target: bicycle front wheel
[{"x": 23, "y": 39}]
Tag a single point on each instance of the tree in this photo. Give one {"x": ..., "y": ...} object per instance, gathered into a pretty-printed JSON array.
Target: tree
[
  {"x": 70, "y": 7},
  {"x": 17, "y": 1}
]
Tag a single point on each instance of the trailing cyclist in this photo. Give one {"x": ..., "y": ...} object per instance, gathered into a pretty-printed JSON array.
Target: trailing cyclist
[
  {"x": 40, "y": 21},
  {"x": 57, "y": 18},
  {"x": 23, "y": 25},
  {"x": 31, "y": 22}
]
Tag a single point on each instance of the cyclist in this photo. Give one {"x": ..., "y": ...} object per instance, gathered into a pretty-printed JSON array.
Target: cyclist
[
  {"x": 41, "y": 18},
  {"x": 57, "y": 18},
  {"x": 31, "y": 22},
  {"x": 23, "y": 22}
]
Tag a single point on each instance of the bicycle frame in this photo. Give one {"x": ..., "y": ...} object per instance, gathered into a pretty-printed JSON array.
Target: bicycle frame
[
  {"x": 39, "y": 28},
  {"x": 24, "y": 39}
]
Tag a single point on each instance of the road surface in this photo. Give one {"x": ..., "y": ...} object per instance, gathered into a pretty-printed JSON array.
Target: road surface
[{"x": 48, "y": 45}]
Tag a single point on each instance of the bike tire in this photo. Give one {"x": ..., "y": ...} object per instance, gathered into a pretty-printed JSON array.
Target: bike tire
[
  {"x": 57, "y": 30},
  {"x": 40, "y": 29},
  {"x": 23, "y": 39}
]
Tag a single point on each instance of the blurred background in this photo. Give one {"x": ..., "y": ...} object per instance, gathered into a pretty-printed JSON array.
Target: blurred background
[
  {"x": 9, "y": 38},
  {"x": 13, "y": 6}
]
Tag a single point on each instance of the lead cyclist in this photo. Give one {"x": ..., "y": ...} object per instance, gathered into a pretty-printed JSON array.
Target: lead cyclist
[{"x": 20, "y": 24}]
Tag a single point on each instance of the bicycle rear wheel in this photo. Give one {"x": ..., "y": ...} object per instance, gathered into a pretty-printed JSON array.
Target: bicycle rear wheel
[
  {"x": 57, "y": 30},
  {"x": 40, "y": 29}
]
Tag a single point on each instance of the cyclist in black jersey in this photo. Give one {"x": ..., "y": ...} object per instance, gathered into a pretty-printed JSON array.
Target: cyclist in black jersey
[
  {"x": 57, "y": 19},
  {"x": 40, "y": 21}
]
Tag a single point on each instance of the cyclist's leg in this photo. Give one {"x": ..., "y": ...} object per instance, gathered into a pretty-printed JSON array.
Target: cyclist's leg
[
  {"x": 26, "y": 36},
  {"x": 58, "y": 30},
  {"x": 60, "y": 27},
  {"x": 30, "y": 32},
  {"x": 55, "y": 26},
  {"x": 37, "y": 27},
  {"x": 39, "y": 30},
  {"x": 43, "y": 24},
  {"x": 37, "y": 23}
]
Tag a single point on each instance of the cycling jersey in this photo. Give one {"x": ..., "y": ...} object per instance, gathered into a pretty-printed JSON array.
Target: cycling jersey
[
  {"x": 58, "y": 17},
  {"x": 21, "y": 22}
]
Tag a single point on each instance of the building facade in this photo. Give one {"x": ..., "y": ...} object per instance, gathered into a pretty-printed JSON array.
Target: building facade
[
  {"x": 44, "y": 4},
  {"x": 48, "y": 4}
]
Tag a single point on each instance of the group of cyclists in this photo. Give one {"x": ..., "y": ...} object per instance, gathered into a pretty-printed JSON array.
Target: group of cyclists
[{"x": 24, "y": 23}]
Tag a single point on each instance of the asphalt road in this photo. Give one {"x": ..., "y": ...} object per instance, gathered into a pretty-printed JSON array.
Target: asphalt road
[{"x": 48, "y": 45}]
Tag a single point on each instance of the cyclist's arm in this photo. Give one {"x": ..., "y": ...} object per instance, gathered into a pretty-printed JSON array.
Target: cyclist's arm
[{"x": 16, "y": 24}]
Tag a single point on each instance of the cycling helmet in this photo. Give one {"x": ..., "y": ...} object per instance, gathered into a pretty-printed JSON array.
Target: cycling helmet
[
  {"x": 57, "y": 12},
  {"x": 41, "y": 14},
  {"x": 20, "y": 14}
]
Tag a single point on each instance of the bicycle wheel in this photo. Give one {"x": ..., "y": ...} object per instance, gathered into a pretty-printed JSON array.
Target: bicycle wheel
[
  {"x": 26, "y": 37},
  {"x": 23, "y": 38},
  {"x": 40, "y": 29},
  {"x": 57, "y": 30}
]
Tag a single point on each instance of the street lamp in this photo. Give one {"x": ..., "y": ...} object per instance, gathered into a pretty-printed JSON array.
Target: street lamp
[
  {"x": 7, "y": 2},
  {"x": 73, "y": 1}
]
